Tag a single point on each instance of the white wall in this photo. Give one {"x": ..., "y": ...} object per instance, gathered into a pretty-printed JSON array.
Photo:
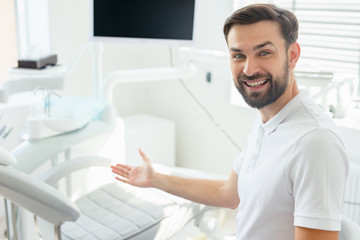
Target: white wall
[
  {"x": 8, "y": 41},
  {"x": 200, "y": 144}
]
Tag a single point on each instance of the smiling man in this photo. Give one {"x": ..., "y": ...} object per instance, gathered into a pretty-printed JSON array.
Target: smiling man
[
  {"x": 250, "y": 83},
  {"x": 262, "y": 61},
  {"x": 288, "y": 182}
]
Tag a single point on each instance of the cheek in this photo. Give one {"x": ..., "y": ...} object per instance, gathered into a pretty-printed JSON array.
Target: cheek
[
  {"x": 274, "y": 67},
  {"x": 236, "y": 69}
]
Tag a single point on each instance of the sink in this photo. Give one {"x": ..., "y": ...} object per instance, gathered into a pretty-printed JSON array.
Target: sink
[
  {"x": 41, "y": 126},
  {"x": 65, "y": 124},
  {"x": 68, "y": 114}
]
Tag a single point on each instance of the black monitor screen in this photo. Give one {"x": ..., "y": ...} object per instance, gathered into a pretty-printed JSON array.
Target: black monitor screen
[{"x": 147, "y": 19}]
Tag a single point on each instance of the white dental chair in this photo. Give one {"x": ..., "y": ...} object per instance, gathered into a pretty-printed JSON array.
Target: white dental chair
[{"x": 113, "y": 211}]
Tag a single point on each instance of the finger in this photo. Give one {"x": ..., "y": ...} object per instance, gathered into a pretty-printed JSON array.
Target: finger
[
  {"x": 121, "y": 172},
  {"x": 143, "y": 155},
  {"x": 122, "y": 180},
  {"x": 123, "y": 169},
  {"x": 123, "y": 166},
  {"x": 117, "y": 167}
]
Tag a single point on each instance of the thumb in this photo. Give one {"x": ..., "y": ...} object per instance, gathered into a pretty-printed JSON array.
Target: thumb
[{"x": 144, "y": 157}]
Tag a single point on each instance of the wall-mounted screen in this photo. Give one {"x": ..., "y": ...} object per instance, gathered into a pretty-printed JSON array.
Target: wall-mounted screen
[{"x": 161, "y": 21}]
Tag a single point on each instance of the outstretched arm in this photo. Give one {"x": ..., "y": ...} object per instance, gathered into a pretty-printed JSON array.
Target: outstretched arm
[{"x": 220, "y": 193}]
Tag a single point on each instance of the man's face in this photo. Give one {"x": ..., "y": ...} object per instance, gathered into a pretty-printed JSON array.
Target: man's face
[{"x": 259, "y": 62}]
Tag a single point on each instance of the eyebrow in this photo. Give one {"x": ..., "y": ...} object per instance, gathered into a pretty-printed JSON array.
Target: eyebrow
[
  {"x": 255, "y": 48},
  {"x": 263, "y": 45}
]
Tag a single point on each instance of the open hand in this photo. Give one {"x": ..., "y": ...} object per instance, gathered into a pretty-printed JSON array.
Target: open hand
[{"x": 139, "y": 176}]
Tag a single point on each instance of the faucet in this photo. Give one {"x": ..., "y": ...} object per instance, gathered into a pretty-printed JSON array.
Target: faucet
[{"x": 47, "y": 99}]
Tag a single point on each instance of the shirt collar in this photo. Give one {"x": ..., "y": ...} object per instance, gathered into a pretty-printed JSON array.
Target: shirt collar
[{"x": 275, "y": 121}]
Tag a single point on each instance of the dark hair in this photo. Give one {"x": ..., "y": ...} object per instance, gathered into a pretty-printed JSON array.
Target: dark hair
[{"x": 286, "y": 20}]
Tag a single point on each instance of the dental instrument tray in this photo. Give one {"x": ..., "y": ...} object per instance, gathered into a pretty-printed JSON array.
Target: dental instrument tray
[{"x": 38, "y": 63}]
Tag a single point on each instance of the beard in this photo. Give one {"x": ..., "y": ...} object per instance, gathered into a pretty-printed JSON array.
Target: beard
[{"x": 277, "y": 87}]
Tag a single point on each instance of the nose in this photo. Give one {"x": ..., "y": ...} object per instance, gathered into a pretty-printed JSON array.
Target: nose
[{"x": 251, "y": 67}]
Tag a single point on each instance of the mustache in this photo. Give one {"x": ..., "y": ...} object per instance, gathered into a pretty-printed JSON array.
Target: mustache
[{"x": 244, "y": 77}]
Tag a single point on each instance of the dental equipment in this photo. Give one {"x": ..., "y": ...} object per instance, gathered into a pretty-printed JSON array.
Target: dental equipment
[
  {"x": 144, "y": 75},
  {"x": 43, "y": 149},
  {"x": 62, "y": 115},
  {"x": 47, "y": 99}
]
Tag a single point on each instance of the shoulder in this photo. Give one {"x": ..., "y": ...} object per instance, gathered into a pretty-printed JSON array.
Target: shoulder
[
  {"x": 318, "y": 151},
  {"x": 320, "y": 138},
  {"x": 319, "y": 145}
]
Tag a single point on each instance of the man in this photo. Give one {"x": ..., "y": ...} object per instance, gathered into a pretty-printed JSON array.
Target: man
[{"x": 288, "y": 182}]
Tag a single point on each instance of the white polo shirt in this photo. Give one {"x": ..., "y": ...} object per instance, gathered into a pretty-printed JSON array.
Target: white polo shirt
[{"x": 292, "y": 172}]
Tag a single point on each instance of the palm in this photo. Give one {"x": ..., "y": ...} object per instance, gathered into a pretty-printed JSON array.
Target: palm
[{"x": 139, "y": 176}]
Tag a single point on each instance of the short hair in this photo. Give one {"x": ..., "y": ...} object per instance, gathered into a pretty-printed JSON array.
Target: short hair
[{"x": 286, "y": 20}]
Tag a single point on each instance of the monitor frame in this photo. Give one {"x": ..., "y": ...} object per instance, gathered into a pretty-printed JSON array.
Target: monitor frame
[{"x": 133, "y": 40}]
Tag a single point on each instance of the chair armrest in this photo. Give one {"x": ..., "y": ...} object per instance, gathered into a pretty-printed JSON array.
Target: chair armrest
[
  {"x": 36, "y": 196},
  {"x": 64, "y": 169}
]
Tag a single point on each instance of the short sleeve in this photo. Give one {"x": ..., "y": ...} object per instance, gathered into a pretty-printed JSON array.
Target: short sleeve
[{"x": 317, "y": 176}]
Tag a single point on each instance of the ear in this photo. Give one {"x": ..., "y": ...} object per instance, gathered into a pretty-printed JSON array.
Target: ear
[{"x": 293, "y": 54}]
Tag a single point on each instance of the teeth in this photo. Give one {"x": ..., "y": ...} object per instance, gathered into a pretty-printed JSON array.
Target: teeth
[{"x": 256, "y": 84}]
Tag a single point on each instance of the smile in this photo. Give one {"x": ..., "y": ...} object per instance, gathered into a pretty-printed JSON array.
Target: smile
[{"x": 256, "y": 83}]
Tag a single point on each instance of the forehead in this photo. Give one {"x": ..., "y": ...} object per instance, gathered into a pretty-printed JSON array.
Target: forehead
[{"x": 250, "y": 35}]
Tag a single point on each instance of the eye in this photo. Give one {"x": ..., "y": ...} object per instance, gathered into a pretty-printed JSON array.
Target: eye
[
  {"x": 264, "y": 53},
  {"x": 238, "y": 56}
]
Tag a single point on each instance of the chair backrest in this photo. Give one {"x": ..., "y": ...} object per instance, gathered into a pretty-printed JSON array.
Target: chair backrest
[
  {"x": 349, "y": 230},
  {"x": 36, "y": 196}
]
